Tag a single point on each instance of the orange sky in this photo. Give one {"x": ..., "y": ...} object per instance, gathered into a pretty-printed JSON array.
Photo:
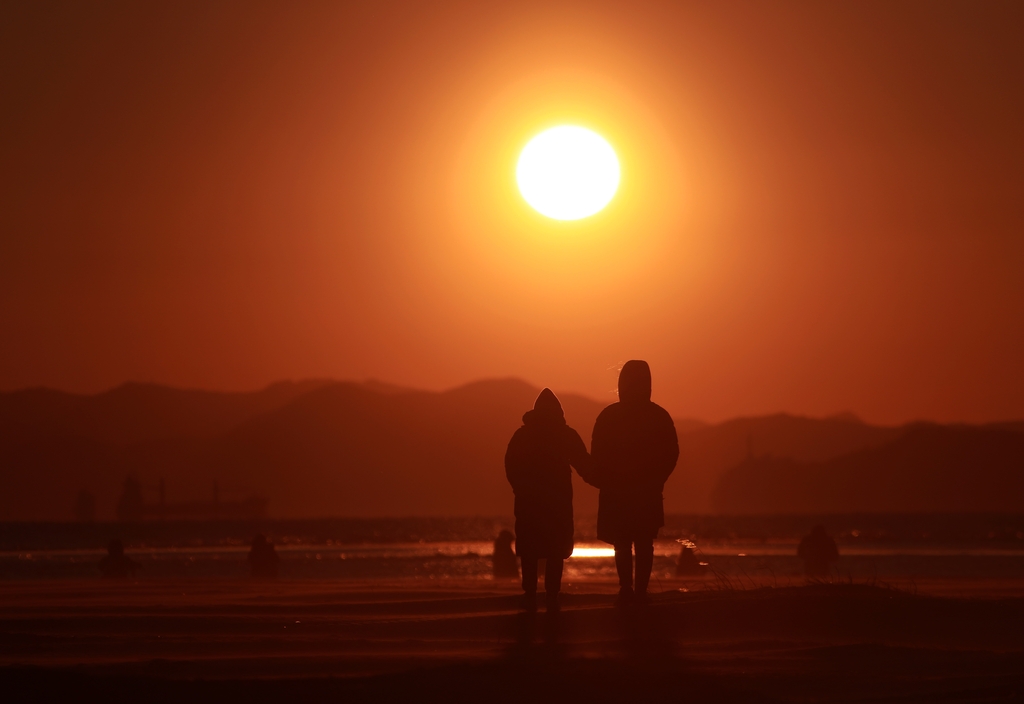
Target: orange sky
[{"x": 821, "y": 206}]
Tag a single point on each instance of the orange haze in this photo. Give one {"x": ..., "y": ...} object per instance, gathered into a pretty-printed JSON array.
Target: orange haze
[{"x": 820, "y": 208}]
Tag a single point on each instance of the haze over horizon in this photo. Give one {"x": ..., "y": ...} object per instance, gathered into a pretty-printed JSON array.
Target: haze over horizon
[
  {"x": 819, "y": 209},
  {"x": 608, "y": 397}
]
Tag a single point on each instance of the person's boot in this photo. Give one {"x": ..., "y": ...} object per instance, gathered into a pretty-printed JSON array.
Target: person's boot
[
  {"x": 644, "y": 564},
  {"x": 625, "y": 597},
  {"x": 551, "y": 602},
  {"x": 530, "y": 601}
]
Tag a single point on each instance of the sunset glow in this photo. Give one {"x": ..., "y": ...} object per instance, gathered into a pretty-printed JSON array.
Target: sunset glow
[
  {"x": 593, "y": 552},
  {"x": 568, "y": 173},
  {"x": 524, "y": 351}
]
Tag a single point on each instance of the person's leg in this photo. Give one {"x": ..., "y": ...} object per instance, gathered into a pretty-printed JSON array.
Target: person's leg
[
  {"x": 552, "y": 583},
  {"x": 529, "y": 574},
  {"x": 624, "y": 564},
  {"x": 644, "y": 564},
  {"x": 553, "y": 575}
]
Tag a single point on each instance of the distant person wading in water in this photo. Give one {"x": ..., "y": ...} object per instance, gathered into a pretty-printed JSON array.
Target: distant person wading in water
[
  {"x": 117, "y": 565},
  {"x": 537, "y": 464},
  {"x": 818, "y": 551},
  {"x": 634, "y": 450},
  {"x": 263, "y": 558}
]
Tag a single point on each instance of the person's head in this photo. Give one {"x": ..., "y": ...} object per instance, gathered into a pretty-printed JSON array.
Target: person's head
[
  {"x": 505, "y": 537},
  {"x": 115, "y": 548},
  {"x": 635, "y": 381},
  {"x": 548, "y": 406}
]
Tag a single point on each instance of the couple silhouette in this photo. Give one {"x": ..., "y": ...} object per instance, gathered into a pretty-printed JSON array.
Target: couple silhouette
[{"x": 633, "y": 451}]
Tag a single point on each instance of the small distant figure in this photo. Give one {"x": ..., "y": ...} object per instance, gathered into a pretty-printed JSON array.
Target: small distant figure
[
  {"x": 818, "y": 551},
  {"x": 688, "y": 563},
  {"x": 505, "y": 565},
  {"x": 117, "y": 565},
  {"x": 538, "y": 465},
  {"x": 263, "y": 558}
]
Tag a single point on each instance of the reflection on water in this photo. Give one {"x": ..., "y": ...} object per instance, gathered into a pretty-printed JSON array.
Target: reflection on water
[
  {"x": 761, "y": 550},
  {"x": 471, "y": 559}
]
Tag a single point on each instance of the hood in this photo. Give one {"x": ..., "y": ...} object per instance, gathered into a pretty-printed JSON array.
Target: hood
[
  {"x": 635, "y": 381},
  {"x": 546, "y": 409}
]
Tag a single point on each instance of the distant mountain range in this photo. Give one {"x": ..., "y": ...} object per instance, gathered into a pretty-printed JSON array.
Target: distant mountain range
[
  {"x": 926, "y": 467},
  {"x": 326, "y": 448}
]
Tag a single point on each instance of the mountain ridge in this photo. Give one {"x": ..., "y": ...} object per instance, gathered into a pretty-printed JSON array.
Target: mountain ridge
[{"x": 329, "y": 448}]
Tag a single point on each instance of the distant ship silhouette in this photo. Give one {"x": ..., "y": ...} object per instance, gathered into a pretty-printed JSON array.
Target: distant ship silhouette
[{"x": 132, "y": 507}]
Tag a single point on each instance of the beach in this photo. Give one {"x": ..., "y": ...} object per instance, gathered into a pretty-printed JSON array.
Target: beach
[
  {"x": 470, "y": 640},
  {"x": 915, "y": 609}
]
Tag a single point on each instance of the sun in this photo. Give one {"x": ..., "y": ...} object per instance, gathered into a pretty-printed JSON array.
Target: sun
[{"x": 568, "y": 173}]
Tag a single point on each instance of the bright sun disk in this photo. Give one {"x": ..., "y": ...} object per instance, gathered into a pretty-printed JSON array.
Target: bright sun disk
[{"x": 568, "y": 173}]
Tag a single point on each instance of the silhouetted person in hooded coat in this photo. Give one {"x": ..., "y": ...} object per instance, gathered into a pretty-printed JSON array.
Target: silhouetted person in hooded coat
[
  {"x": 818, "y": 551},
  {"x": 537, "y": 464},
  {"x": 634, "y": 451},
  {"x": 263, "y": 559},
  {"x": 504, "y": 560},
  {"x": 117, "y": 565}
]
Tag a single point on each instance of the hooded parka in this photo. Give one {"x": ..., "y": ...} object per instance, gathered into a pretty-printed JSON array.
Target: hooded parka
[
  {"x": 537, "y": 464},
  {"x": 634, "y": 450}
]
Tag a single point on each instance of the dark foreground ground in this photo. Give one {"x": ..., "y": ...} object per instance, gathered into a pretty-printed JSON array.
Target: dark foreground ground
[{"x": 234, "y": 641}]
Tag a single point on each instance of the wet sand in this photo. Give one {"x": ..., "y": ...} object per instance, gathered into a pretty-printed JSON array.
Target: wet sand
[{"x": 469, "y": 640}]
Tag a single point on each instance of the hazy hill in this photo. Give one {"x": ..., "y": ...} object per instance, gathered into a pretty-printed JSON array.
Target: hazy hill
[
  {"x": 323, "y": 448},
  {"x": 364, "y": 453},
  {"x": 707, "y": 452},
  {"x": 315, "y": 448},
  {"x": 53, "y": 444},
  {"x": 138, "y": 412},
  {"x": 927, "y": 468}
]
